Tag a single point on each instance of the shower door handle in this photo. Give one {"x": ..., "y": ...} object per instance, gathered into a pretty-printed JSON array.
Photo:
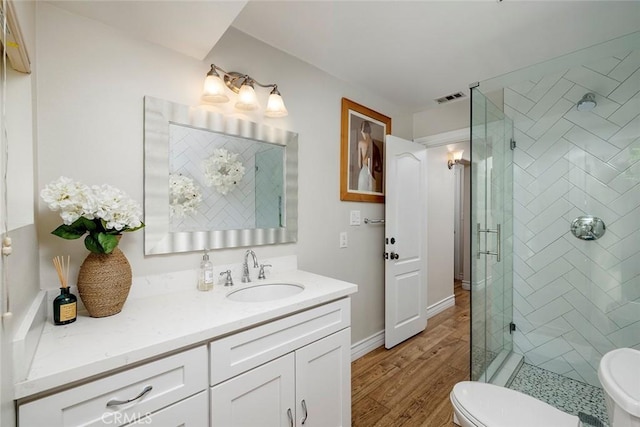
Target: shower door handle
[{"x": 497, "y": 231}]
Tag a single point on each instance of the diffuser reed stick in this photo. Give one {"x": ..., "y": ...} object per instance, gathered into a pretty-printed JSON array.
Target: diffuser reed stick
[{"x": 62, "y": 268}]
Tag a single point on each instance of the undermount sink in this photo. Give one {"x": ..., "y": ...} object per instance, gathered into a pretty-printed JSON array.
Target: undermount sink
[{"x": 266, "y": 292}]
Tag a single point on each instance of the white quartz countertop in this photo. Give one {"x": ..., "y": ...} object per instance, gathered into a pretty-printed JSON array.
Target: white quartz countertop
[{"x": 151, "y": 326}]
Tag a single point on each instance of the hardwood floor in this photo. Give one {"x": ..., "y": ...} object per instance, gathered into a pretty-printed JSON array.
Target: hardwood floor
[{"x": 409, "y": 385}]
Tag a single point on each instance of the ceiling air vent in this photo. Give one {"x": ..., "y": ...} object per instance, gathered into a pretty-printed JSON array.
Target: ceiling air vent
[{"x": 451, "y": 97}]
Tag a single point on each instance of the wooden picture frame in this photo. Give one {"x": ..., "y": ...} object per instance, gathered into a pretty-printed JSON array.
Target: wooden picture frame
[{"x": 362, "y": 153}]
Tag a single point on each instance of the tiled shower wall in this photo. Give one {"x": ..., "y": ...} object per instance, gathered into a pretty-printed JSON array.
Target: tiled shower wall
[
  {"x": 188, "y": 148},
  {"x": 575, "y": 300}
]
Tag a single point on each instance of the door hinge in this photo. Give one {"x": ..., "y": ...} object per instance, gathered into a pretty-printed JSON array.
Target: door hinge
[
  {"x": 513, "y": 144},
  {"x": 512, "y": 327}
]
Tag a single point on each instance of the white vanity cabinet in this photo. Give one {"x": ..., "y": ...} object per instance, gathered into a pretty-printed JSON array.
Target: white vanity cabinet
[
  {"x": 294, "y": 371},
  {"x": 171, "y": 391}
]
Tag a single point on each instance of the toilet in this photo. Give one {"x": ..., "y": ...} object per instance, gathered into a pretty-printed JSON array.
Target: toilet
[
  {"x": 487, "y": 405},
  {"x": 619, "y": 374},
  {"x": 478, "y": 404}
]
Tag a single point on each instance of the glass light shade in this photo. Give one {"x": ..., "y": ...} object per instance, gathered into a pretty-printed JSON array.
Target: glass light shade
[
  {"x": 275, "y": 106},
  {"x": 457, "y": 155},
  {"x": 214, "y": 89},
  {"x": 247, "y": 98}
]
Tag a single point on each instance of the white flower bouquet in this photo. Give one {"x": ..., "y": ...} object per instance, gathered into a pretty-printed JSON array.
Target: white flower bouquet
[
  {"x": 184, "y": 195},
  {"x": 223, "y": 170},
  {"x": 102, "y": 211}
]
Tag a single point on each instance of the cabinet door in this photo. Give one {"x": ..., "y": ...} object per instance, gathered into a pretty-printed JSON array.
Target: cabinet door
[
  {"x": 263, "y": 396},
  {"x": 323, "y": 382}
]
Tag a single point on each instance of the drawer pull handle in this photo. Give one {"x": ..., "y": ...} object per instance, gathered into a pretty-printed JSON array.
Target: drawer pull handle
[
  {"x": 115, "y": 402},
  {"x": 290, "y": 417},
  {"x": 306, "y": 414}
]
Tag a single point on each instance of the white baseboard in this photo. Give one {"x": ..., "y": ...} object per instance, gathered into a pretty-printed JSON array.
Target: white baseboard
[
  {"x": 466, "y": 285},
  {"x": 367, "y": 345},
  {"x": 441, "y": 306},
  {"x": 376, "y": 340}
]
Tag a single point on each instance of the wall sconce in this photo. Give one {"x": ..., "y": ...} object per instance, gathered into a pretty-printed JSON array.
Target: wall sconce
[
  {"x": 242, "y": 84},
  {"x": 455, "y": 158}
]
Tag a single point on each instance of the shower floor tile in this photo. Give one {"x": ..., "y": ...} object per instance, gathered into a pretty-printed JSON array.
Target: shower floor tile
[{"x": 564, "y": 393}]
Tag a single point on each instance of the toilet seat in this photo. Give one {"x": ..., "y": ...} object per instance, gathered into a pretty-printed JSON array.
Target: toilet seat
[
  {"x": 488, "y": 405},
  {"x": 619, "y": 374}
]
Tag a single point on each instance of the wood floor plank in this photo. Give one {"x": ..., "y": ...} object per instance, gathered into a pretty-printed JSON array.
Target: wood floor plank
[
  {"x": 367, "y": 412},
  {"x": 366, "y": 382},
  {"x": 409, "y": 385}
]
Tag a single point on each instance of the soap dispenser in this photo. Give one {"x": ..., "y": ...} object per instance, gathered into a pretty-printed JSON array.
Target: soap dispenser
[{"x": 205, "y": 276}]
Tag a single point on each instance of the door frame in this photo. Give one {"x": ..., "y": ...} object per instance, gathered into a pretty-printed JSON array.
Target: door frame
[{"x": 458, "y": 136}]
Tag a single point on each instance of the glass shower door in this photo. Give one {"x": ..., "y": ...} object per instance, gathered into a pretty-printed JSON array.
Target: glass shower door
[{"x": 491, "y": 237}]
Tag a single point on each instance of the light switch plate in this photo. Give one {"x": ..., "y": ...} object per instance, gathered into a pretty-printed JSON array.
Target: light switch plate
[
  {"x": 354, "y": 218},
  {"x": 343, "y": 239}
]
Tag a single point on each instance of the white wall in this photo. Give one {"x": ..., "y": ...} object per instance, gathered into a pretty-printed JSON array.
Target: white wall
[
  {"x": 426, "y": 125},
  {"x": 90, "y": 93},
  {"x": 440, "y": 220},
  {"x": 448, "y": 117},
  {"x": 443, "y": 118}
]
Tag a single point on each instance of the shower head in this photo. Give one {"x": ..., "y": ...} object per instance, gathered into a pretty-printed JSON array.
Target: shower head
[{"x": 587, "y": 103}]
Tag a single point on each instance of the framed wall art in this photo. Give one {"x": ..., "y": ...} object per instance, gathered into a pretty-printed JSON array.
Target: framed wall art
[{"x": 362, "y": 153}]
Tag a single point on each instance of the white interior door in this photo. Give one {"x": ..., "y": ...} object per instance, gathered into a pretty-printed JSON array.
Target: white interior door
[{"x": 405, "y": 240}]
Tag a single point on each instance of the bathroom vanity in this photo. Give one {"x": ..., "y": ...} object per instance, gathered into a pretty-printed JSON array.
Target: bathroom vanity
[{"x": 199, "y": 359}]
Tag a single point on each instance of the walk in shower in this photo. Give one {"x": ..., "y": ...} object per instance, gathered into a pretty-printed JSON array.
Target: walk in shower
[{"x": 556, "y": 221}]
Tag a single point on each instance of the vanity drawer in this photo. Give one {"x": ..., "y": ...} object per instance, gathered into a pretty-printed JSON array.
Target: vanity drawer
[
  {"x": 172, "y": 378},
  {"x": 245, "y": 350}
]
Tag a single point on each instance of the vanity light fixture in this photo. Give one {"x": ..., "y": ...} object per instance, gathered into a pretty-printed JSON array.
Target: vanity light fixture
[
  {"x": 242, "y": 84},
  {"x": 455, "y": 158}
]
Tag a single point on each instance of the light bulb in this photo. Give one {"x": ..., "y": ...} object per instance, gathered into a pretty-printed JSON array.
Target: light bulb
[
  {"x": 247, "y": 98},
  {"x": 275, "y": 106},
  {"x": 214, "y": 88}
]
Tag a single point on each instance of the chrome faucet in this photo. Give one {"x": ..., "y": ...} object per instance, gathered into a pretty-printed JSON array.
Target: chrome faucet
[{"x": 245, "y": 265}]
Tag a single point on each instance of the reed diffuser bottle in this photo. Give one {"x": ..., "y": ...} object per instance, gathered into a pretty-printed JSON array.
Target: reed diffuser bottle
[{"x": 65, "y": 305}]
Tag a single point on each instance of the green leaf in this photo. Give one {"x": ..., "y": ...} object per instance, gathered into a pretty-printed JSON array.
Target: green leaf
[
  {"x": 68, "y": 232},
  {"x": 101, "y": 243},
  {"x": 88, "y": 224},
  {"x": 108, "y": 242},
  {"x": 91, "y": 243}
]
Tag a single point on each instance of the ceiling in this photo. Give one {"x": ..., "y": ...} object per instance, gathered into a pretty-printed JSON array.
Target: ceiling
[{"x": 409, "y": 52}]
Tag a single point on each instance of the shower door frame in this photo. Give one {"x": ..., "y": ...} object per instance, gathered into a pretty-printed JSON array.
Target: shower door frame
[{"x": 491, "y": 238}]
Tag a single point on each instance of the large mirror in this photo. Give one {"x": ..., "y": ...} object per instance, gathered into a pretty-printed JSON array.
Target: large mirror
[{"x": 213, "y": 182}]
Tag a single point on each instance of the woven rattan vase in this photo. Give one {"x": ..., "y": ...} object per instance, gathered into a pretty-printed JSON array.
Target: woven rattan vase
[{"x": 104, "y": 281}]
